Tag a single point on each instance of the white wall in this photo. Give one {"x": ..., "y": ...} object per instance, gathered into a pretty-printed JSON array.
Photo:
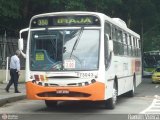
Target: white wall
[{"x": 3, "y": 76}]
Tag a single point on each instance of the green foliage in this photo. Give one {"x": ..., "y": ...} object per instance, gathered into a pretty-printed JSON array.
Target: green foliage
[
  {"x": 152, "y": 38},
  {"x": 10, "y": 8},
  {"x": 142, "y": 16},
  {"x": 75, "y": 5}
]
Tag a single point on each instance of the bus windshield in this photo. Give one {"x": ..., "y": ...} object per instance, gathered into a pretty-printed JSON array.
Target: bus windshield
[{"x": 64, "y": 49}]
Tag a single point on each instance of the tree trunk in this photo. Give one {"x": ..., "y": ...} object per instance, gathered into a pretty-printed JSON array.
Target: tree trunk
[
  {"x": 25, "y": 8},
  {"x": 129, "y": 21}
]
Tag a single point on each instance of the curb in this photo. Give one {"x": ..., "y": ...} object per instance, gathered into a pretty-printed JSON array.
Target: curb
[{"x": 6, "y": 100}]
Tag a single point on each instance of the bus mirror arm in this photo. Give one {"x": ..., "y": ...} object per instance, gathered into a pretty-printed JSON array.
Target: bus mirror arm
[
  {"x": 21, "y": 31},
  {"x": 20, "y": 41},
  {"x": 23, "y": 54}
]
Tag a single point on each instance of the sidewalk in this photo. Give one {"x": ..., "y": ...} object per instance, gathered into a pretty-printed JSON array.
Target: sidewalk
[{"x": 11, "y": 96}]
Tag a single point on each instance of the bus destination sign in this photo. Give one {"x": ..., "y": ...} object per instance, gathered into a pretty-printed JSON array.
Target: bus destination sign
[
  {"x": 42, "y": 22},
  {"x": 65, "y": 21}
]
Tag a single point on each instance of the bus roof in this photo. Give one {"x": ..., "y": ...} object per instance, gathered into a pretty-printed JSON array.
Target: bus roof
[{"x": 116, "y": 21}]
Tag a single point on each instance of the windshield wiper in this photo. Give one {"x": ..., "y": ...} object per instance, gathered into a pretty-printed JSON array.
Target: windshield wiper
[{"x": 77, "y": 40}]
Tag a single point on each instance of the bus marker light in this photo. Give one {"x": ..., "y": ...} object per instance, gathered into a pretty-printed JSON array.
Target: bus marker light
[
  {"x": 93, "y": 80},
  {"x": 33, "y": 81},
  {"x": 46, "y": 84},
  {"x": 42, "y": 77},
  {"x": 79, "y": 84},
  {"x": 45, "y": 78},
  {"x": 86, "y": 83},
  {"x": 36, "y": 77},
  {"x": 31, "y": 77},
  {"x": 40, "y": 83}
]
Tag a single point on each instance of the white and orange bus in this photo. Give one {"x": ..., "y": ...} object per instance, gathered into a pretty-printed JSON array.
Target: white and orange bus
[{"x": 81, "y": 56}]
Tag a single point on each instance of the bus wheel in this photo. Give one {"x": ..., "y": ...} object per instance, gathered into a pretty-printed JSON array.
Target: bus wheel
[
  {"x": 132, "y": 91},
  {"x": 50, "y": 103},
  {"x": 111, "y": 102}
]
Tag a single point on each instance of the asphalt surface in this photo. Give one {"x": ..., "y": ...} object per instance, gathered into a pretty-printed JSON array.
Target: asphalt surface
[
  {"x": 13, "y": 97},
  {"x": 6, "y": 97},
  {"x": 126, "y": 109}
]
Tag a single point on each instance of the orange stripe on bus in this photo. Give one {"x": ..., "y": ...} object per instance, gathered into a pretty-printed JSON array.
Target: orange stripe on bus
[{"x": 96, "y": 91}]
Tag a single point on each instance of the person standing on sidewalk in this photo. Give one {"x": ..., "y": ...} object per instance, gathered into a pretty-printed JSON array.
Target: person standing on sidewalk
[{"x": 14, "y": 71}]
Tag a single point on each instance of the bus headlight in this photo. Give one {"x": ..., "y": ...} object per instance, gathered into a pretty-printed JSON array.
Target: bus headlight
[
  {"x": 93, "y": 81},
  {"x": 40, "y": 77}
]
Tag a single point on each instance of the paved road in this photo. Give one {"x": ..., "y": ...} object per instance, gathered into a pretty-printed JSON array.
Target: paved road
[{"x": 28, "y": 109}]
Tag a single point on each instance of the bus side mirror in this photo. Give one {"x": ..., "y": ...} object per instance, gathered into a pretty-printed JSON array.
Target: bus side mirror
[
  {"x": 20, "y": 44},
  {"x": 110, "y": 43}
]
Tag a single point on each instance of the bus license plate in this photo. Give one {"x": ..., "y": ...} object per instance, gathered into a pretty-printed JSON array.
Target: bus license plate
[{"x": 62, "y": 91}]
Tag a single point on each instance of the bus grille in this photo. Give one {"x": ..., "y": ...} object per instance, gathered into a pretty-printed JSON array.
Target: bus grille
[{"x": 70, "y": 94}]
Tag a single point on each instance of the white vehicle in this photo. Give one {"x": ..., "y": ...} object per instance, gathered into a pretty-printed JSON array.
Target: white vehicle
[{"x": 82, "y": 56}]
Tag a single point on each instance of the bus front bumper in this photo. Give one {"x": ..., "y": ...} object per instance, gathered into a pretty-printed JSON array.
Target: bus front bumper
[{"x": 91, "y": 92}]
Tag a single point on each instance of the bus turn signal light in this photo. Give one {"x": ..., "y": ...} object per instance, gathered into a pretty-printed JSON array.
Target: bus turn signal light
[
  {"x": 40, "y": 77},
  {"x": 36, "y": 77}
]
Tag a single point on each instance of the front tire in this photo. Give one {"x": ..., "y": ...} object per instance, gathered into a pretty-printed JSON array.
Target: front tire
[
  {"x": 111, "y": 102},
  {"x": 50, "y": 103},
  {"x": 131, "y": 93},
  {"x": 153, "y": 82}
]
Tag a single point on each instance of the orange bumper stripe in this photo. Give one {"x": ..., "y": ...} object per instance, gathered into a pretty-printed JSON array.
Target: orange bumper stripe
[{"x": 95, "y": 91}]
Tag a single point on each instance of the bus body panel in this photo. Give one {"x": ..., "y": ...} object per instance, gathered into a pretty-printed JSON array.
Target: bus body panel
[{"x": 122, "y": 67}]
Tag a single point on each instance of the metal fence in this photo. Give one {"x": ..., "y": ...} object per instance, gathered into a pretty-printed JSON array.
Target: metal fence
[{"x": 8, "y": 46}]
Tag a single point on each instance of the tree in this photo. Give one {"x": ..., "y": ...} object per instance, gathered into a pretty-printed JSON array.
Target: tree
[
  {"x": 9, "y": 14},
  {"x": 138, "y": 14},
  {"x": 10, "y": 8}
]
